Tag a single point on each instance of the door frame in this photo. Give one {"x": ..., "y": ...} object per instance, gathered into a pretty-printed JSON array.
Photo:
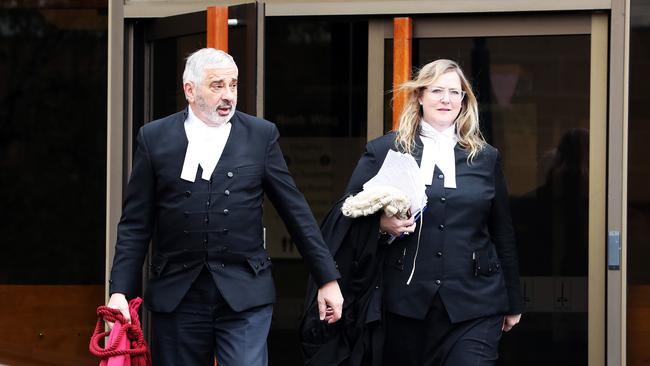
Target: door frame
[
  {"x": 120, "y": 42},
  {"x": 595, "y": 25}
]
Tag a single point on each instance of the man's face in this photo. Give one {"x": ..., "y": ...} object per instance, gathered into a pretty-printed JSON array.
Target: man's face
[{"x": 215, "y": 99}]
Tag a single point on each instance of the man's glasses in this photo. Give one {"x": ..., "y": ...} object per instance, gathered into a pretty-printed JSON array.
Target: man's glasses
[{"x": 455, "y": 95}]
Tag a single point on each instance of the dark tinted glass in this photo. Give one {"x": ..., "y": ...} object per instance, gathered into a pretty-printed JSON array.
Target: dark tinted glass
[
  {"x": 169, "y": 56},
  {"x": 316, "y": 93},
  {"x": 52, "y": 145},
  {"x": 638, "y": 211},
  {"x": 316, "y": 76},
  {"x": 53, "y": 80}
]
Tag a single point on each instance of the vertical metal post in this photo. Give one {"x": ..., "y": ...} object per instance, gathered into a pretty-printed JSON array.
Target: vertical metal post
[
  {"x": 402, "y": 60},
  {"x": 218, "y": 27}
]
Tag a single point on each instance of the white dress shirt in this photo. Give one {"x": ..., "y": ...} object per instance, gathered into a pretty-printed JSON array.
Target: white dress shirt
[
  {"x": 205, "y": 145},
  {"x": 438, "y": 150}
]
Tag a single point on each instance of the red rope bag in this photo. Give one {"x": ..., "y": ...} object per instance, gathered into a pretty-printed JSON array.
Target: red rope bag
[{"x": 126, "y": 345}]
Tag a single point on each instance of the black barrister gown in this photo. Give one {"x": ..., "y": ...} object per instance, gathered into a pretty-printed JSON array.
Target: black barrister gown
[{"x": 466, "y": 254}]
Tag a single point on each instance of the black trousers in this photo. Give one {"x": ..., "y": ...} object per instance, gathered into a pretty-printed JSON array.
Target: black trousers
[
  {"x": 204, "y": 325},
  {"x": 435, "y": 341}
]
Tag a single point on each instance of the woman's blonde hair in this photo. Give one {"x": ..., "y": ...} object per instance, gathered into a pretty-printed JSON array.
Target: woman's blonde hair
[{"x": 467, "y": 124}]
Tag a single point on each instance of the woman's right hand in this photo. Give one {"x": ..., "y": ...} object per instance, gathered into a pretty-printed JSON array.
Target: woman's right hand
[{"x": 394, "y": 226}]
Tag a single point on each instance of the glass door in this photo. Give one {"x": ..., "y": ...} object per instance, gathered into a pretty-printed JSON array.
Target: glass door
[
  {"x": 315, "y": 93},
  {"x": 534, "y": 78}
]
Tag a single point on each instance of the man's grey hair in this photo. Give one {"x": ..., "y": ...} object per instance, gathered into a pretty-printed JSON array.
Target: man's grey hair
[{"x": 203, "y": 59}]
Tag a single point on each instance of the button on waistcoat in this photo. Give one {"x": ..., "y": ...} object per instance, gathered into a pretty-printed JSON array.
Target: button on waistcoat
[
  {"x": 431, "y": 262},
  {"x": 205, "y": 210},
  {"x": 214, "y": 218}
]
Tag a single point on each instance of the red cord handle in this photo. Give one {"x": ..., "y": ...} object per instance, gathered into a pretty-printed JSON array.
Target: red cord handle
[{"x": 131, "y": 330}]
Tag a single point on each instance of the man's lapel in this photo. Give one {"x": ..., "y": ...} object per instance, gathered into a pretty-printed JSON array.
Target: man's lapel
[{"x": 178, "y": 145}]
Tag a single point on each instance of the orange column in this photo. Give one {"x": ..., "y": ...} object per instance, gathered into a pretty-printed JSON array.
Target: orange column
[
  {"x": 217, "y": 36},
  {"x": 218, "y": 27},
  {"x": 402, "y": 55}
]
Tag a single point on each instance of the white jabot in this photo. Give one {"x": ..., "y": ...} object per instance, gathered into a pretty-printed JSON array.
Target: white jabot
[
  {"x": 205, "y": 145},
  {"x": 438, "y": 150}
]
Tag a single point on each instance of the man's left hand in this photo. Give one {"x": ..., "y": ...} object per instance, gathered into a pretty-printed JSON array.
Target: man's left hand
[
  {"x": 330, "y": 302},
  {"x": 510, "y": 321}
]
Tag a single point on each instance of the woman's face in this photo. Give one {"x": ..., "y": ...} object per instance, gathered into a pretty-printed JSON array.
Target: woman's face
[{"x": 441, "y": 101}]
